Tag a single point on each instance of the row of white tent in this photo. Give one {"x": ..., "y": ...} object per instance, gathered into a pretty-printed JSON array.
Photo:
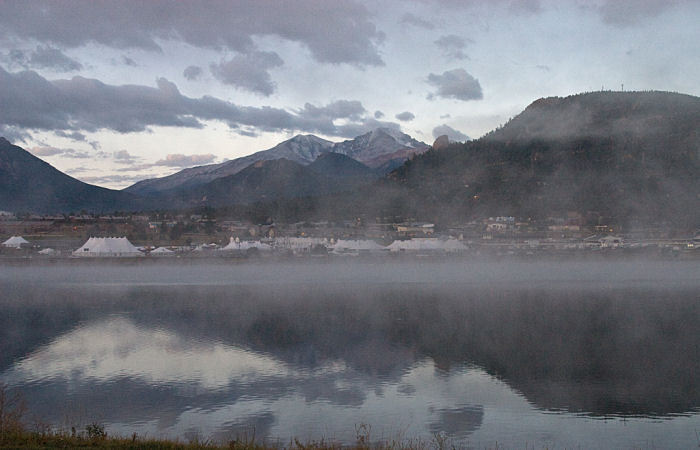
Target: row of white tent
[
  {"x": 345, "y": 246},
  {"x": 121, "y": 247}
]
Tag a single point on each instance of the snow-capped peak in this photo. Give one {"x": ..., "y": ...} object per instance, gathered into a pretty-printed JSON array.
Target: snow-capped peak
[{"x": 402, "y": 138}]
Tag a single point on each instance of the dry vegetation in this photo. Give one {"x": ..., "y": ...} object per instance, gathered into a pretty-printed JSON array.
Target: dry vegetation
[{"x": 16, "y": 432}]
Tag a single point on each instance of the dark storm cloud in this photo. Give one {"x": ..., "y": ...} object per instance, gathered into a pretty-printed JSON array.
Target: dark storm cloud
[
  {"x": 249, "y": 71},
  {"x": 192, "y": 73},
  {"x": 341, "y": 31},
  {"x": 457, "y": 84},
  {"x": 405, "y": 116},
  {"x": 630, "y": 12},
  {"x": 33, "y": 102},
  {"x": 378, "y": 114},
  {"x": 29, "y": 101},
  {"x": 453, "y": 46},
  {"x": 412, "y": 19},
  {"x": 451, "y": 133}
]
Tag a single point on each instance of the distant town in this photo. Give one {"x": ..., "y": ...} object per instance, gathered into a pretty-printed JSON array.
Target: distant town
[{"x": 203, "y": 235}]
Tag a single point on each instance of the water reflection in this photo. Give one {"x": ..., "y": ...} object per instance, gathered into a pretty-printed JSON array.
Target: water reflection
[{"x": 476, "y": 363}]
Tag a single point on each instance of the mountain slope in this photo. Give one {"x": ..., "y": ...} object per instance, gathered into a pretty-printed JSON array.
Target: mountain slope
[
  {"x": 336, "y": 165},
  {"x": 274, "y": 180},
  {"x": 381, "y": 147},
  {"x": 617, "y": 157},
  {"x": 302, "y": 149},
  {"x": 29, "y": 184}
]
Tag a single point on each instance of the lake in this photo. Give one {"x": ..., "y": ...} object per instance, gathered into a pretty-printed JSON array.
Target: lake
[{"x": 518, "y": 354}]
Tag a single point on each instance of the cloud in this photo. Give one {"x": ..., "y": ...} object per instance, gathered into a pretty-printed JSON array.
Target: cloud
[
  {"x": 124, "y": 157},
  {"x": 339, "y": 109},
  {"x": 353, "y": 130},
  {"x": 405, "y": 116},
  {"x": 44, "y": 57},
  {"x": 341, "y": 31},
  {"x": 76, "y": 136},
  {"x": 45, "y": 151},
  {"x": 13, "y": 133},
  {"x": 517, "y": 7},
  {"x": 457, "y": 84},
  {"x": 17, "y": 57},
  {"x": 525, "y": 6},
  {"x": 192, "y": 73},
  {"x": 451, "y": 133},
  {"x": 249, "y": 71},
  {"x": 80, "y": 104},
  {"x": 180, "y": 160},
  {"x": 453, "y": 46},
  {"x": 630, "y": 12},
  {"x": 412, "y": 19},
  {"x": 113, "y": 180},
  {"x": 128, "y": 61},
  {"x": 378, "y": 114}
]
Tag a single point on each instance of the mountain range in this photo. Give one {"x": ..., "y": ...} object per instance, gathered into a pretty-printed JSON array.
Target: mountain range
[
  {"x": 382, "y": 149},
  {"x": 275, "y": 179},
  {"x": 613, "y": 157},
  {"x": 304, "y": 165}
]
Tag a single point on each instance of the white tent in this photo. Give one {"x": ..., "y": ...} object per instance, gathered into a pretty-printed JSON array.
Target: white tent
[
  {"x": 356, "y": 246},
  {"x": 453, "y": 245},
  {"x": 427, "y": 244},
  {"x": 300, "y": 244},
  {"x": 48, "y": 252},
  {"x": 161, "y": 251},
  {"x": 106, "y": 247},
  {"x": 610, "y": 241},
  {"x": 15, "y": 242},
  {"x": 237, "y": 245}
]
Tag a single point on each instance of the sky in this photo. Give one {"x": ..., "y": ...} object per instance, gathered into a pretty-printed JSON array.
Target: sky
[{"x": 112, "y": 92}]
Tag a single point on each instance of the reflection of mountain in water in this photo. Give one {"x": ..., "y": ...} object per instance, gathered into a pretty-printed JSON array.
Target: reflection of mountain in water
[{"x": 594, "y": 351}]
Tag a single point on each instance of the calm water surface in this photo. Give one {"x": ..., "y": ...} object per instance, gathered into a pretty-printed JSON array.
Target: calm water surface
[{"x": 519, "y": 354}]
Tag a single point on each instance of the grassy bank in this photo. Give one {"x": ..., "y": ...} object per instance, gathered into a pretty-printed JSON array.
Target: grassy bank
[
  {"x": 94, "y": 436},
  {"x": 18, "y": 433}
]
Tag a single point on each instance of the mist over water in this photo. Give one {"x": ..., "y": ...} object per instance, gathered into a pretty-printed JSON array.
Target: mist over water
[{"x": 559, "y": 353}]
